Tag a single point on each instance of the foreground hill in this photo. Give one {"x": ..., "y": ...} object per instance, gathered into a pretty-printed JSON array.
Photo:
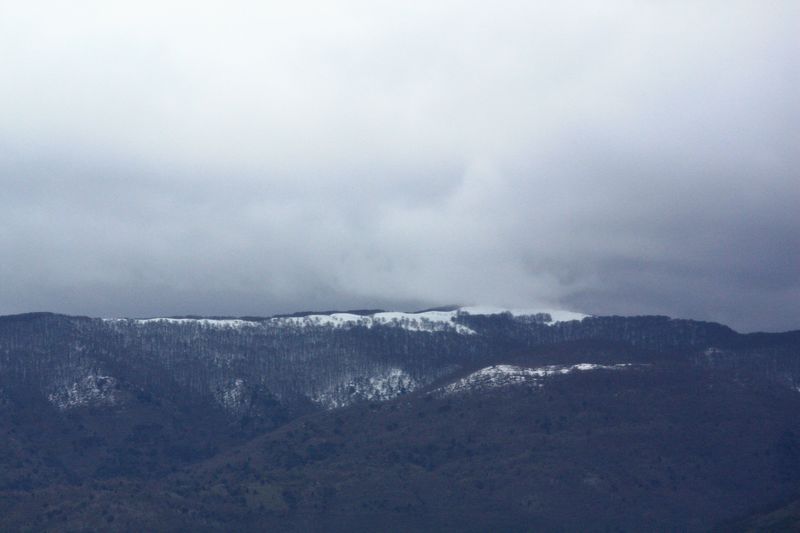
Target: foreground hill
[{"x": 441, "y": 420}]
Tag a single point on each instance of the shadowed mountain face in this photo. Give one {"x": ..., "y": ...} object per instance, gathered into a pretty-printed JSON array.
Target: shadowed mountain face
[{"x": 447, "y": 419}]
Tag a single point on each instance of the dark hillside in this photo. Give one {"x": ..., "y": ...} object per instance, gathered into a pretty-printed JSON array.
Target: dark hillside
[{"x": 605, "y": 424}]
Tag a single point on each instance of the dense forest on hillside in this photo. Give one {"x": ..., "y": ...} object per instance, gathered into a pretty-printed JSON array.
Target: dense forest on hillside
[{"x": 485, "y": 422}]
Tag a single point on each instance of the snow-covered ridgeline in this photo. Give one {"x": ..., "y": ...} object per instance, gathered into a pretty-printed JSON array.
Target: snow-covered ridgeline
[
  {"x": 426, "y": 321},
  {"x": 422, "y": 321},
  {"x": 506, "y": 375},
  {"x": 224, "y": 323}
]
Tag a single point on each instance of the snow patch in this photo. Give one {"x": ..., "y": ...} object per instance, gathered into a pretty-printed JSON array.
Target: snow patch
[
  {"x": 91, "y": 390},
  {"x": 233, "y": 396},
  {"x": 380, "y": 387},
  {"x": 506, "y": 375}
]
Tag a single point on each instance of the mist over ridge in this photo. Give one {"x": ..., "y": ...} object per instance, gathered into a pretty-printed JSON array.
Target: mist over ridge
[{"x": 172, "y": 158}]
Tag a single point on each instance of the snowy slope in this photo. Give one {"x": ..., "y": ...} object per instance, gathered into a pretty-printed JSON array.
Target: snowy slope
[
  {"x": 496, "y": 376},
  {"x": 91, "y": 389},
  {"x": 381, "y": 386}
]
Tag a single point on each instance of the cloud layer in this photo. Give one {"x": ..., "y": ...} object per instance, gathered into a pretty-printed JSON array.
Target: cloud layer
[{"x": 249, "y": 158}]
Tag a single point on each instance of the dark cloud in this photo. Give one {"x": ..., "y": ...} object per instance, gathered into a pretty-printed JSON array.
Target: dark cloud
[{"x": 171, "y": 158}]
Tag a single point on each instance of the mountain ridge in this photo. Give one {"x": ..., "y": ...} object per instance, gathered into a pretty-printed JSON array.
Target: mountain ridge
[{"x": 91, "y": 409}]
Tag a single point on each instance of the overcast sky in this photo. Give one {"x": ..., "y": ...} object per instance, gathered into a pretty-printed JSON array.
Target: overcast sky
[{"x": 162, "y": 158}]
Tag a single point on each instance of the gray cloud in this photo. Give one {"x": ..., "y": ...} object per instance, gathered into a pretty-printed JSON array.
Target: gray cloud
[{"x": 247, "y": 158}]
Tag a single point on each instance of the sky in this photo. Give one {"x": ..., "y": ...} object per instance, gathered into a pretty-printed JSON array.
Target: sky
[{"x": 250, "y": 158}]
